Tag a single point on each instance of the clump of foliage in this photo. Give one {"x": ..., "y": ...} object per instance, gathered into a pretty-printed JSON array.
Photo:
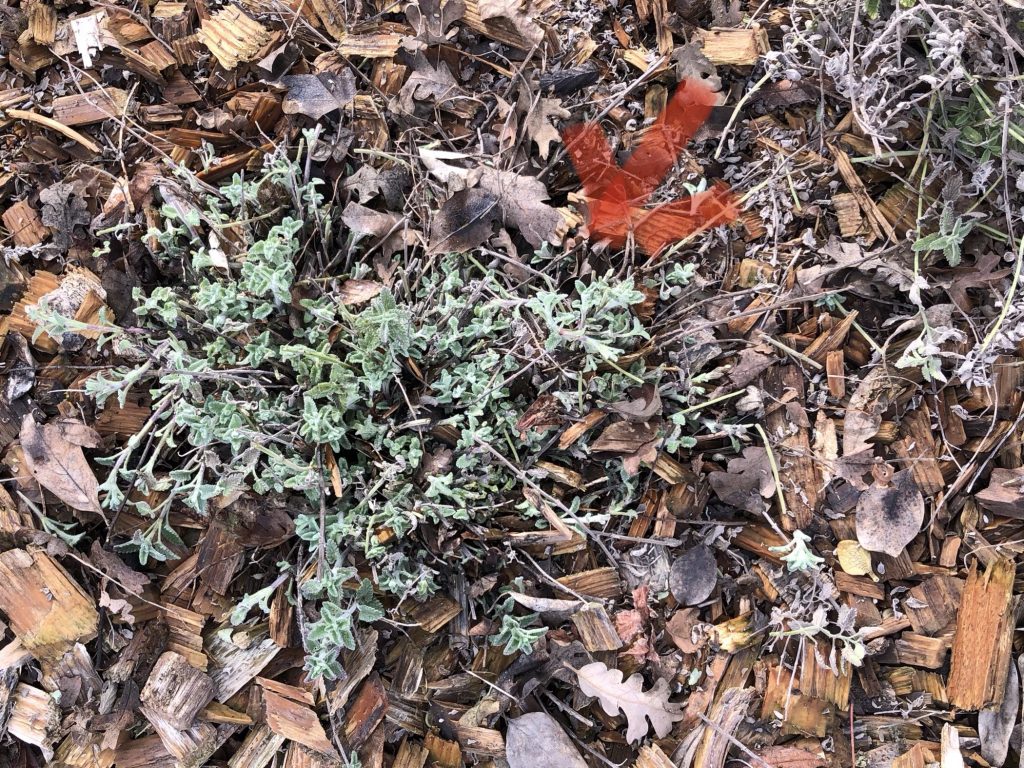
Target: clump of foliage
[{"x": 263, "y": 380}]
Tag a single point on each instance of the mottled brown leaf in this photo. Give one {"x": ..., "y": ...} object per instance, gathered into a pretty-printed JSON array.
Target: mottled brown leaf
[
  {"x": 889, "y": 517},
  {"x": 53, "y": 454}
]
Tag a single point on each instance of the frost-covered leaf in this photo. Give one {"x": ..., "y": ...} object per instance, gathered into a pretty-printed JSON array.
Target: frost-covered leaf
[
  {"x": 536, "y": 740},
  {"x": 638, "y": 706},
  {"x": 996, "y": 725},
  {"x": 889, "y": 517}
]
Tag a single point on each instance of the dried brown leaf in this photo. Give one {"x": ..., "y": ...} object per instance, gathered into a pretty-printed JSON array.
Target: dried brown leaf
[
  {"x": 539, "y": 127},
  {"x": 889, "y": 517},
  {"x": 53, "y": 454},
  {"x": 638, "y": 706},
  {"x": 748, "y": 481}
]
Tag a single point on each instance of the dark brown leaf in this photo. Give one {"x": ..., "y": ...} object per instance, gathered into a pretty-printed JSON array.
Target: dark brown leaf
[{"x": 693, "y": 576}]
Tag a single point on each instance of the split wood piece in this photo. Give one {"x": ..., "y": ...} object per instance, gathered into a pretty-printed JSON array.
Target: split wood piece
[
  {"x": 366, "y": 712},
  {"x": 726, "y": 716},
  {"x": 919, "y": 451},
  {"x": 802, "y": 714},
  {"x": 48, "y": 611},
  {"x": 918, "y": 756},
  {"x": 261, "y": 745},
  {"x": 185, "y": 634},
  {"x": 147, "y": 752},
  {"x": 595, "y": 629},
  {"x": 34, "y": 718},
  {"x": 215, "y": 712},
  {"x": 170, "y": 20},
  {"x": 294, "y": 720},
  {"x": 481, "y": 742},
  {"x": 851, "y": 222},
  {"x": 602, "y": 583},
  {"x": 432, "y": 615},
  {"x": 411, "y": 754},
  {"x": 799, "y": 476},
  {"x": 299, "y": 756},
  {"x": 232, "y": 666},
  {"x": 1005, "y": 493},
  {"x": 92, "y": 107},
  {"x": 908, "y": 680},
  {"x": 176, "y": 691},
  {"x": 1008, "y": 378},
  {"x": 934, "y": 603},
  {"x": 443, "y": 753},
  {"x": 332, "y": 15},
  {"x": 920, "y": 650},
  {"x": 28, "y": 59},
  {"x": 652, "y": 756},
  {"x": 982, "y": 644},
  {"x": 375, "y": 45},
  {"x": 24, "y": 224},
  {"x": 42, "y": 23},
  {"x": 77, "y": 751},
  {"x": 220, "y": 557},
  {"x": 952, "y": 425},
  {"x": 876, "y": 220},
  {"x": 734, "y": 47},
  {"x": 232, "y": 37},
  {"x": 835, "y": 370},
  {"x": 819, "y": 681},
  {"x": 831, "y": 340}
]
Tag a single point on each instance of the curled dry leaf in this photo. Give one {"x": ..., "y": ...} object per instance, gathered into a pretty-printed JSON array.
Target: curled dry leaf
[
  {"x": 693, "y": 576},
  {"x": 536, "y": 740},
  {"x": 889, "y": 517},
  {"x": 54, "y": 456},
  {"x": 687, "y": 631},
  {"x": 853, "y": 558},
  {"x": 638, "y": 706},
  {"x": 358, "y": 291},
  {"x": 748, "y": 482}
]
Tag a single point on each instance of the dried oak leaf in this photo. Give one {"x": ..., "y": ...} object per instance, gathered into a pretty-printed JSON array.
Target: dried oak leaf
[
  {"x": 64, "y": 210},
  {"x": 317, "y": 95},
  {"x": 748, "y": 481},
  {"x": 431, "y": 18},
  {"x": 386, "y": 228},
  {"x": 693, "y": 576},
  {"x": 638, "y": 706},
  {"x": 426, "y": 83},
  {"x": 520, "y": 199},
  {"x": 54, "y": 456},
  {"x": 889, "y": 517},
  {"x": 687, "y": 631},
  {"x": 536, "y": 740},
  {"x": 539, "y": 127}
]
